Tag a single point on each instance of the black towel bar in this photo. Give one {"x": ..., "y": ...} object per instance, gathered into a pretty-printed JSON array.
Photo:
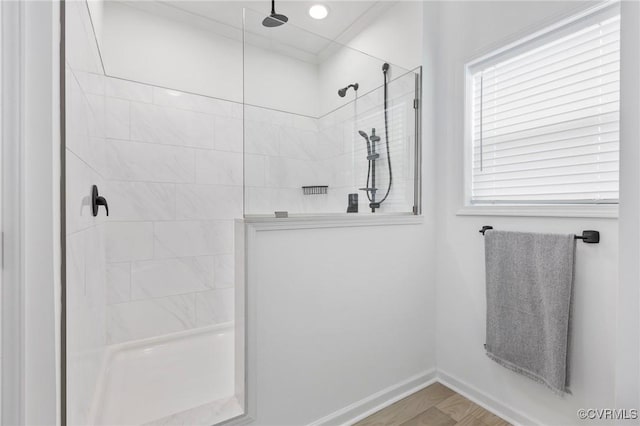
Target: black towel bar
[{"x": 590, "y": 237}]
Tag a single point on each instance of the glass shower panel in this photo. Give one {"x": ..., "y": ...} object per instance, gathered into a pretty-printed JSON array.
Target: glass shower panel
[{"x": 312, "y": 140}]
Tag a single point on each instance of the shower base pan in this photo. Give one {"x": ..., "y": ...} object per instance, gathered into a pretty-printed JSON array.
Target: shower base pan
[{"x": 180, "y": 379}]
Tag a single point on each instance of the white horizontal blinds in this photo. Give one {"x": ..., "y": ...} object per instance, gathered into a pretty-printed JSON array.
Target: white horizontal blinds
[{"x": 546, "y": 121}]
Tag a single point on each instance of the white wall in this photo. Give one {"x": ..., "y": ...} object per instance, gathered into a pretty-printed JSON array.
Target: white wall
[
  {"x": 280, "y": 82},
  {"x": 152, "y": 49},
  {"x": 466, "y": 30},
  {"x": 395, "y": 37},
  {"x": 343, "y": 313},
  {"x": 628, "y": 358},
  {"x": 189, "y": 56},
  {"x": 340, "y": 314},
  {"x": 31, "y": 212},
  {"x": 40, "y": 149}
]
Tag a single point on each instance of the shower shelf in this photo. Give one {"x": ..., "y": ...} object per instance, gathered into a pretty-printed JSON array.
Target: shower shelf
[{"x": 315, "y": 190}]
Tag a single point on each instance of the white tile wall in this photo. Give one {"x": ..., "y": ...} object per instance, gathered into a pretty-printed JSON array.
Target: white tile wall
[
  {"x": 174, "y": 165},
  {"x": 283, "y": 153},
  {"x": 171, "y": 126},
  {"x": 219, "y": 168},
  {"x": 260, "y": 137},
  {"x": 299, "y": 144},
  {"x": 196, "y": 103},
  {"x": 170, "y": 166},
  {"x": 214, "y": 307},
  {"x": 192, "y": 238},
  {"x": 117, "y": 118},
  {"x": 85, "y": 261},
  {"x": 205, "y": 202},
  {"x": 80, "y": 178},
  {"x": 255, "y": 170},
  {"x": 118, "y": 282},
  {"x": 151, "y": 317},
  {"x": 134, "y": 161},
  {"x": 224, "y": 270},
  {"x": 124, "y": 89},
  {"x": 166, "y": 277},
  {"x": 127, "y": 241},
  {"x": 228, "y": 134},
  {"x": 134, "y": 201}
]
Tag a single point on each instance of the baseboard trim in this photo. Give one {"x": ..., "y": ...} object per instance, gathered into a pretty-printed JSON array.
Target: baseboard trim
[
  {"x": 379, "y": 400},
  {"x": 506, "y": 412}
]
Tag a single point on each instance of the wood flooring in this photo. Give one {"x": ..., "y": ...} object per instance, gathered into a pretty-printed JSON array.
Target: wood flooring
[{"x": 435, "y": 405}]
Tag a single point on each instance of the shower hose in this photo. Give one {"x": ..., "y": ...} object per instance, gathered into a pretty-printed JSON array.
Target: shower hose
[{"x": 386, "y": 136}]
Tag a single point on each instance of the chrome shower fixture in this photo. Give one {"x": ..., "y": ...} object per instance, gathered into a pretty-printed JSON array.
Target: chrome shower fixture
[
  {"x": 372, "y": 155},
  {"x": 343, "y": 91}
]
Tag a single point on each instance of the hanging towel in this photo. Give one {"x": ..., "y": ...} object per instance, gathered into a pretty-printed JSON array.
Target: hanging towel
[{"x": 529, "y": 285}]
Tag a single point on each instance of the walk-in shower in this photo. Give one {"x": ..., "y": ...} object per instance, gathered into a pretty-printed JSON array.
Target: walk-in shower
[
  {"x": 154, "y": 307},
  {"x": 187, "y": 152}
]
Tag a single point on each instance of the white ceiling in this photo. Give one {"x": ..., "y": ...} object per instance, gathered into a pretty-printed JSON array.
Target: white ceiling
[
  {"x": 342, "y": 14},
  {"x": 306, "y": 35}
]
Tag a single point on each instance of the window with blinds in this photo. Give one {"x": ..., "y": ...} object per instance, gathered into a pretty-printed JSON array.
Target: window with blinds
[{"x": 545, "y": 117}]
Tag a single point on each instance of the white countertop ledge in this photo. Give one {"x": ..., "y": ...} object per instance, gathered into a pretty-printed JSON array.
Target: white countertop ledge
[{"x": 344, "y": 220}]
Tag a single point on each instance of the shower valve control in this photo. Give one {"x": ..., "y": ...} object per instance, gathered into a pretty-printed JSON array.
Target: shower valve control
[{"x": 97, "y": 201}]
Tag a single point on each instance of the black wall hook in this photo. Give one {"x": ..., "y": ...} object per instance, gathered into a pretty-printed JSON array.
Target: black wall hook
[{"x": 97, "y": 201}]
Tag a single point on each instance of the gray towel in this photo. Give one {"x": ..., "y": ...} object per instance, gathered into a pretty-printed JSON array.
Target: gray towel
[{"x": 529, "y": 284}]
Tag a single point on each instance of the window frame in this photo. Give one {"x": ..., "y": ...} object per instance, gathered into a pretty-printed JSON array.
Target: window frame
[{"x": 550, "y": 32}]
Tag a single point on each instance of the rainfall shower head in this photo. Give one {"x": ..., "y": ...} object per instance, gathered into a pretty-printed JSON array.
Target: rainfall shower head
[
  {"x": 343, "y": 91},
  {"x": 275, "y": 19}
]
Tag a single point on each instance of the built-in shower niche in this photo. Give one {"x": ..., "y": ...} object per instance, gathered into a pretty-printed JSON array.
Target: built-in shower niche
[{"x": 299, "y": 132}]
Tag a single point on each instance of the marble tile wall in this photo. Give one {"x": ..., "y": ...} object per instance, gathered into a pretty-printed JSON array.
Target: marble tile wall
[
  {"x": 286, "y": 151},
  {"x": 174, "y": 172},
  {"x": 85, "y": 234},
  {"x": 350, "y": 166},
  {"x": 282, "y": 155}
]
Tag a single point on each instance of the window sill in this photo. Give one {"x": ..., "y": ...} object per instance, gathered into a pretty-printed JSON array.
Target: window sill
[
  {"x": 270, "y": 223},
  {"x": 609, "y": 211}
]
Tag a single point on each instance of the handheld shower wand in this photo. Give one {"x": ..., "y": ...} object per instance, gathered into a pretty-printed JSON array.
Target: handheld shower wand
[
  {"x": 372, "y": 156},
  {"x": 366, "y": 138}
]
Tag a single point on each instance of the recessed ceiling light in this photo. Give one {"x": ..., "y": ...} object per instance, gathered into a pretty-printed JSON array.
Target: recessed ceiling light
[{"x": 318, "y": 11}]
